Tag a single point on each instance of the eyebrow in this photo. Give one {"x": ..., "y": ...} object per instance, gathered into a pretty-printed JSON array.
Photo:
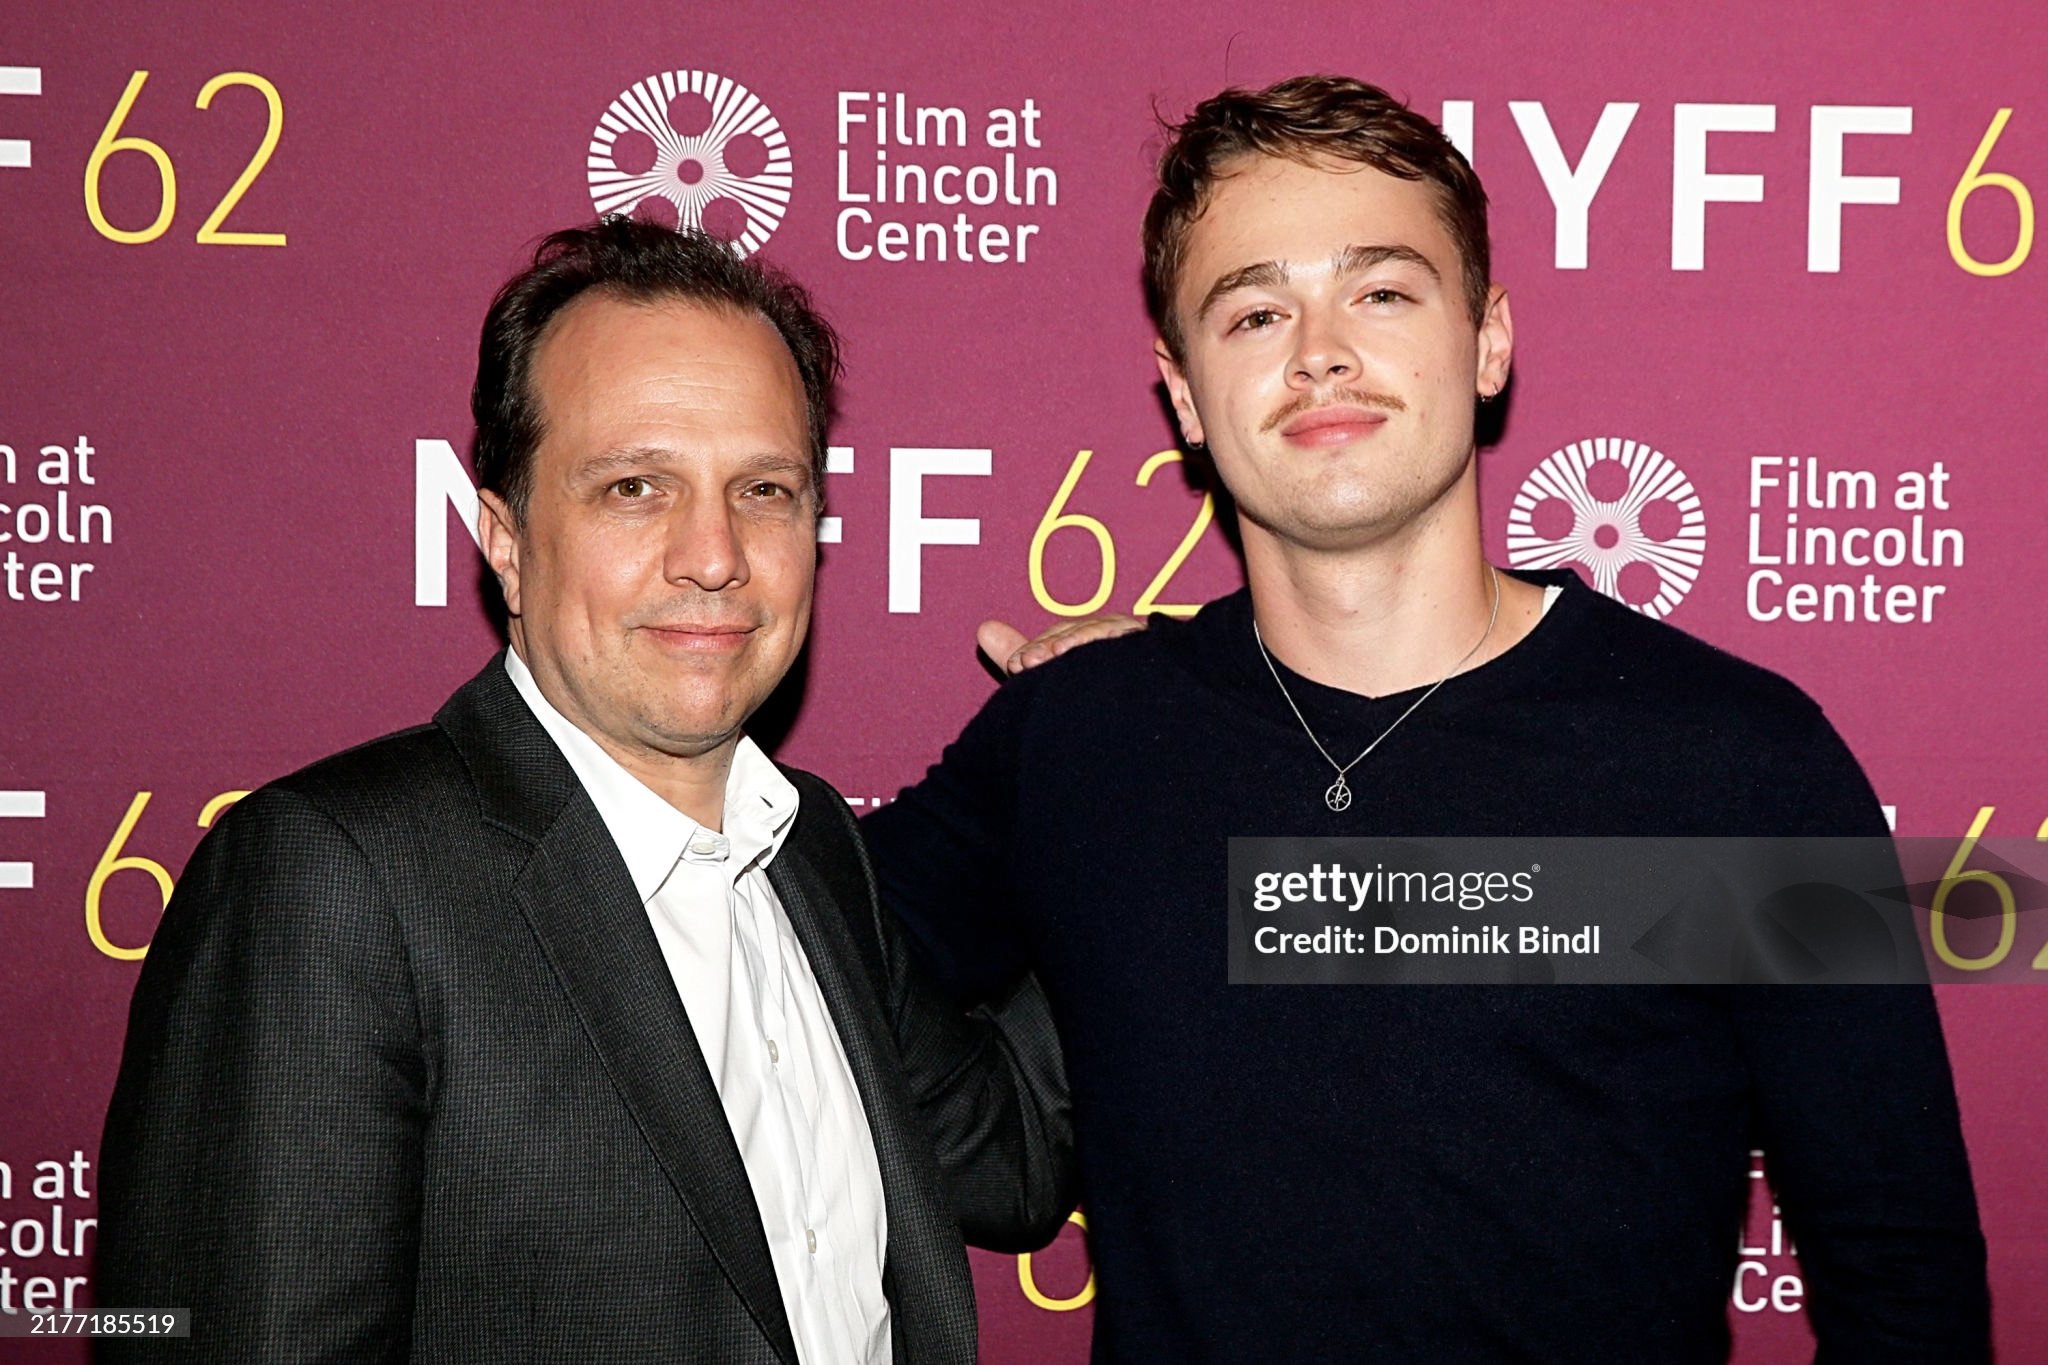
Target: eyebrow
[
  {"x": 1350, "y": 261},
  {"x": 621, "y": 458},
  {"x": 628, "y": 457}
]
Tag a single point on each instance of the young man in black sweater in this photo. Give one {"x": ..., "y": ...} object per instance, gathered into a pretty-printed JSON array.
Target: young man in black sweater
[{"x": 1412, "y": 1173}]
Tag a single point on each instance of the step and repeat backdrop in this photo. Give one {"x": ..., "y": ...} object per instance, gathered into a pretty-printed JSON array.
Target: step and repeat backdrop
[{"x": 1778, "y": 382}]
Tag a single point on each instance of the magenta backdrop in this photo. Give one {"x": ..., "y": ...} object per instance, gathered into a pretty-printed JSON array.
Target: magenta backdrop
[{"x": 1795, "y": 251}]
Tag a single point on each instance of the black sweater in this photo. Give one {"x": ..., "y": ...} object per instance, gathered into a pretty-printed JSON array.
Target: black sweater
[{"x": 1409, "y": 1173}]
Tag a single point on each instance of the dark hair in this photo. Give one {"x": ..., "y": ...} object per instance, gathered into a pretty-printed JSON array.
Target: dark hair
[
  {"x": 1305, "y": 118},
  {"x": 639, "y": 262}
]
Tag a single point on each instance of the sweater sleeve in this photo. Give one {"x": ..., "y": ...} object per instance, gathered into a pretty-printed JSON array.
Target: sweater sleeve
[
  {"x": 943, "y": 853},
  {"x": 988, "y": 1082},
  {"x": 1856, "y": 1113}
]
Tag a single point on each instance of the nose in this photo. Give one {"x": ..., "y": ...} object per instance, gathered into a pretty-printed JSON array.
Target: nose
[
  {"x": 705, "y": 548},
  {"x": 1323, "y": 353}
]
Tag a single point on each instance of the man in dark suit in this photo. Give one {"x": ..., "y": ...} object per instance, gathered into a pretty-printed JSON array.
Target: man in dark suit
[{"x": 565, "y": 1027}]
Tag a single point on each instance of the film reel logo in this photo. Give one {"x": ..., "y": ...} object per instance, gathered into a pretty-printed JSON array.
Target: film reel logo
[
  {"x": 1620, "y": 509},
  {"x": 692, "y": 149}
]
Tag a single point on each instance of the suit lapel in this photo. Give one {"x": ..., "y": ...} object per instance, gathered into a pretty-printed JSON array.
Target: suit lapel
[
  {"x": 593, "y": 928},
  {"x": 924, "y": 1251},
  {"x": 850, "y": 998}
]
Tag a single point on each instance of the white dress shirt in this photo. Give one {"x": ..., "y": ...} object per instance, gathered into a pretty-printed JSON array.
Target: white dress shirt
[{"x": 763, "y": 1027}]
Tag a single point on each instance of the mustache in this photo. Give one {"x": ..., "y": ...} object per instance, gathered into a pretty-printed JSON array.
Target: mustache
[{"x": 1309, "y": 402}]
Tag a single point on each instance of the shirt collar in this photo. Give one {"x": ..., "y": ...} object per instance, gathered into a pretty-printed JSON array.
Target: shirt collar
[{"x": 652, "y": 835}]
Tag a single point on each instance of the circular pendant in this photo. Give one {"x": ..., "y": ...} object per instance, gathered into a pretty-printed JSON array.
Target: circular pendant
[{"x": 1338, "y": 797}]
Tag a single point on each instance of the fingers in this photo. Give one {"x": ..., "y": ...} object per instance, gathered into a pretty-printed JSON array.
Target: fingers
[
  {"x": 1063, "y": 637},
  {"x": 1000, "y": 641}
]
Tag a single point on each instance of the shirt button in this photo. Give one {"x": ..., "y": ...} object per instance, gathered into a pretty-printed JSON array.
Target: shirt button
[
  {"x": 811, "y": 1240},
  {"x": 704, "y": 844},
  {"x": 774, "y": 1053}
]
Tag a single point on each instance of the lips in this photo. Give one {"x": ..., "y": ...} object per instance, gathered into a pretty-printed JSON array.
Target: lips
[
  {"x": 1333, "y": 425},
  {"x": 704, "y": 637}
]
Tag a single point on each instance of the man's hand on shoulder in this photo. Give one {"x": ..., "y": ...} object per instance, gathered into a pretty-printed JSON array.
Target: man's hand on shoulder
[{"x": 1010, "y": 652}]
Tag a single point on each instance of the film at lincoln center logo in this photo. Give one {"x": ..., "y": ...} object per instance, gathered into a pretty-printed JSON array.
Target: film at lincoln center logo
[
  {"x": 692, "y": 149},
  {"x": 1619, "y": 509}
]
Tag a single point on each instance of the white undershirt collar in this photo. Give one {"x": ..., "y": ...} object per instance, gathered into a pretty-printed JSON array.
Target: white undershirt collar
[{"x": 652, "y": 835}]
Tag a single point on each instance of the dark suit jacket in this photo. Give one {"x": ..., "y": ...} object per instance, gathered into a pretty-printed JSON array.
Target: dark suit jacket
[{"x": 407, "y": 1075}]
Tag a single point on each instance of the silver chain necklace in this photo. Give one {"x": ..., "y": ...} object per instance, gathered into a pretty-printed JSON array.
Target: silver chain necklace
[{"x": 1338, "y": 797}]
